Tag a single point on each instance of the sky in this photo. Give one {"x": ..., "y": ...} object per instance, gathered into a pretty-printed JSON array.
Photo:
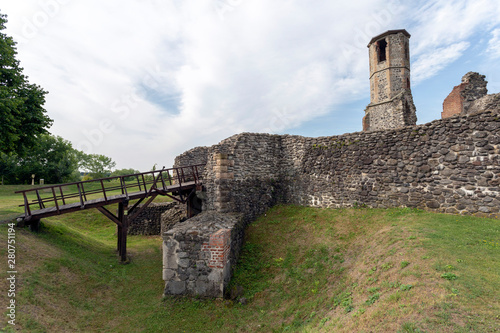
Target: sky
[{"x": 144, "y": 81}]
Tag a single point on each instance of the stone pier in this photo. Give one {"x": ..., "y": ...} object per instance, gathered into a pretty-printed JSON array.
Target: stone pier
[{"x": 199, "y": 254}]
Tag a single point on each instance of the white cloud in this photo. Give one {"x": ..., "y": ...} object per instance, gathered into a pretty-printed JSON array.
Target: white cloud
[
  {"x": 439, "y": 23},
  {"x": 494, "y": 44},
  {"x": 142, "y": 81},
  {"x": 443, "y": 30},
  {"x": 431, "y": 63}
]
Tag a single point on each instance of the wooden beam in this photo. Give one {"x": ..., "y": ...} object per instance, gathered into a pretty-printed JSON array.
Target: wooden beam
[
  {"x": 109, "y": 215},
  {"x": 135, "y": 214},
  {"x": 122, "y": 231}
]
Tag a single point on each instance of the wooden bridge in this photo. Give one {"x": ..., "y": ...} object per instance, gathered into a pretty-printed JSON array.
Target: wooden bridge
[{"x": 178, "y": 183}]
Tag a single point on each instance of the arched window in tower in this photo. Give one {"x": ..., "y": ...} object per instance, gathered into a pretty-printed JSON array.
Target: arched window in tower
[{"x": 381, "y": 48}]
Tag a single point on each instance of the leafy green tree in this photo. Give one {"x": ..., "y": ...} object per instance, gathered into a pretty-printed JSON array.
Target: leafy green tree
[
  {"x": 8, "y": 163},
  {"x": 124, "y": 172},
  {"x": 21, "y": 103},
  {"x": 98, "y": 166},
  {"x": 51, "y": 158}
]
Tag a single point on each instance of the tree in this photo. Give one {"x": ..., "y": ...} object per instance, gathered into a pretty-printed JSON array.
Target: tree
[
  {"x": 21, "y": 103},
  {"x": 51, "y": 158},
  {"x": 124, "y": 172},
  {"x": 8, "y": 163},
  {"x": 98, "y": 166}
]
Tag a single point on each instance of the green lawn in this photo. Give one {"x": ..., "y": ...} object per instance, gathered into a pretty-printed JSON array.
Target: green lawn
[
  {"x": 301, "y": 270},
  {"x": 9, "y": 201}
]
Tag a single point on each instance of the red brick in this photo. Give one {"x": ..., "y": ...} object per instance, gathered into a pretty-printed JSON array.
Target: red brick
[{"x": 453, "y": 104}]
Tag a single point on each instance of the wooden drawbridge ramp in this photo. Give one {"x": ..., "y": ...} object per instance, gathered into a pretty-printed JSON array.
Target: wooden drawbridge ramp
[{"x": 179, "y": 183}]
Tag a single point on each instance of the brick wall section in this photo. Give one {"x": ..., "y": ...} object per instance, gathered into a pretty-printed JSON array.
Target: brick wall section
[
  {"x": 219, "y": 247},
  {"x": 453, "y": 103}
]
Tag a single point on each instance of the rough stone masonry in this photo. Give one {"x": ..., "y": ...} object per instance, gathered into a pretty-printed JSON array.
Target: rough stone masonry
[{"x": 450, "y": 165}]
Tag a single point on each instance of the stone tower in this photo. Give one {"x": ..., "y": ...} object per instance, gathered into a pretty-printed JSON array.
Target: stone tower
[{"x": 391, "y": 103}]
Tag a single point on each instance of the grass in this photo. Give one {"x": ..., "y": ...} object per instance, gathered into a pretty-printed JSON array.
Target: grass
[
  {"x": 301, "y": 270},
  {"x": 9, "y": 207}
]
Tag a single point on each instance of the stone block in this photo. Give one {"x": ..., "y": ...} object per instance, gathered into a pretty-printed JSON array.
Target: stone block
[
  {"x": 433, "y": 204},
  {"x": 175, "y": 287}
]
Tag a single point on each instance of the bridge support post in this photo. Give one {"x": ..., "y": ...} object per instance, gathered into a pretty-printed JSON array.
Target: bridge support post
[
  {"x": 122, "y": 231},
  {"x": 35, "y": 225}
]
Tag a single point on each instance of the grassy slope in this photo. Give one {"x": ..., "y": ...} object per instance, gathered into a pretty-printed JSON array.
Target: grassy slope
[{"x": 302, "y": 269}]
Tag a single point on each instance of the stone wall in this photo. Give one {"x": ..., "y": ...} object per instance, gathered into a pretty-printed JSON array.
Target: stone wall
[
  {"x": 487, "y": 103},
  {"x": 394, "y": 113},
  {"x": 448, "y": 165},
  {"x": 156, "y": 217},
  {"x": 474, "y": 89},
  {"x": 198, "y": 254},
  {"x": 194, "y": 156}
]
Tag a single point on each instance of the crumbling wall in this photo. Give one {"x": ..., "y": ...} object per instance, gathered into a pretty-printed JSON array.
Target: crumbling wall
[
  {"x": 475, "y": 88},
  {"x": 465, "y": 95},
  {"x": 486, "y": 103},
  {"x": 449, "y": 165},
  {"x": 194, "y": 156}
]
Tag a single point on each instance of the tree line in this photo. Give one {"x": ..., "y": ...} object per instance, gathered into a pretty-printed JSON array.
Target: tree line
[{"x": 54, "y": 160}]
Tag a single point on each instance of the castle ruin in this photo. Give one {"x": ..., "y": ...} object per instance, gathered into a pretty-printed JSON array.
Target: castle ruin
[{"x": 450, "y": 165}]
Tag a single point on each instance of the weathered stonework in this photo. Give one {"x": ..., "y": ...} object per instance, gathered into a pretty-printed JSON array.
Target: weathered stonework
[
  {"x": 175, "y": 214},
  {"x": 487, "y": 103},
  {"x": 195, "y": 156},
  {"x": 465, "y": 98},
  {"x": 391, "y": 102},
  {"x": 149, "y": 221},
  {"x": 198, "y": 254},
  {"x": 449, "y": 165}
]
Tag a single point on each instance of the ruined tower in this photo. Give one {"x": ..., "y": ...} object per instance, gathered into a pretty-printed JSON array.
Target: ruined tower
[{"x": 391, "y": 103}]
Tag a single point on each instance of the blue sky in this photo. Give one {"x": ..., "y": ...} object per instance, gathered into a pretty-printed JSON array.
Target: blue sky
[{"x": 143, "y": 81}]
